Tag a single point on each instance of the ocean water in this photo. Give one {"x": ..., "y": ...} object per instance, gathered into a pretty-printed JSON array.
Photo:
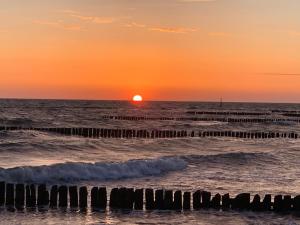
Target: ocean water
[{"x": 220, "y": 165}]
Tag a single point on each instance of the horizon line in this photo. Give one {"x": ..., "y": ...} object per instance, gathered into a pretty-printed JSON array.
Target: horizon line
[{"x": 150, "y": 100}]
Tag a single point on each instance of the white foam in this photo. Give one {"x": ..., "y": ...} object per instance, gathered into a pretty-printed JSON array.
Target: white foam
[{"x": 76, "y": 171}]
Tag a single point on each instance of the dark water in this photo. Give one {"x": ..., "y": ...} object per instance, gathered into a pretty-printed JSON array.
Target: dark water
[{"x": 220, "y": 165}]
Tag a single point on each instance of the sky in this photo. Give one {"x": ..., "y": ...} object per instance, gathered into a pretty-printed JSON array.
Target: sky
[{"x": 193, "y": 50}]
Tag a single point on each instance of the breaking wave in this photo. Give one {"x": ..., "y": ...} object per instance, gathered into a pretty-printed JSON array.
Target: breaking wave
[{"x": 75, "y": 171}]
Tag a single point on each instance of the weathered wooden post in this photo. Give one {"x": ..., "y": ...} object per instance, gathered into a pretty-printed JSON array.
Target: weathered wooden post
[
  {"x": 159, "y": 199},
  {"x": 10, "y": 195},
  {"x": 278, "y": 203},
  {"x": 287, "y": 203},
  {"x": 150, "y": 204},
  {"x": 266, "y": 204},
  {"x": 63, "y": 196},
  {"x": 73, "y": 195},
  {"x": 94, "y": 197},
  {"x": 187, "y": 200},
  {"x": 53, "y": 196},
  {"x": 177, "y": 204},
  {"x": 114, "y": 198},
  {"x": 256, "y": 204},
  {"x": 168, "y": 200},
  {"x": 2, "y": 193},
  {"x": 83, "y": 194},
  {"x": 20, "y": 196},
  {"x": 296, "y": 203},
  {"x": 216, "y": 201},
  {"x": 205, "y": 197},
  {"x": 226, "y": 202},
  {"x": 197, "y": 200},
  {"x": 138, "y": 199},
  {"x": 43, "y": 195},
  {"x": 241, "y": 201},
  {"x": 102, "y": 198}
]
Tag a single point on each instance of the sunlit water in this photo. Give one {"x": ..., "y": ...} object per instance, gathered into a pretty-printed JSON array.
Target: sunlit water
[{"x": 220, "y": 165}]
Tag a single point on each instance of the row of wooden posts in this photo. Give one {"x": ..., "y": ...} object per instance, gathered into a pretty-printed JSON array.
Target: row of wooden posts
[
  {"x": 22, "y": 196},
  {"x": 226, "y": 120},
  {"x": 236, "y": 113},
  {"x": 151, "y": 134}
]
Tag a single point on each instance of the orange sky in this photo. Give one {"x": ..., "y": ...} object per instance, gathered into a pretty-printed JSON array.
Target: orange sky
[{"x": 200, "y": 50}]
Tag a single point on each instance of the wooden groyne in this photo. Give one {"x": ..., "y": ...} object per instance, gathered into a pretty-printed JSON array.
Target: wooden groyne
[
  {"x": 20, "y": 196},
  {"x": 156, "y": 134},
  {"x": 235, "y": 113},
  {"x": 204, "y": 119}
]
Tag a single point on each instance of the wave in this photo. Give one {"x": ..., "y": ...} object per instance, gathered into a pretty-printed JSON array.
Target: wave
[
  {"x": 71, "y": 172},
  {"x": 232, "y": 159}
]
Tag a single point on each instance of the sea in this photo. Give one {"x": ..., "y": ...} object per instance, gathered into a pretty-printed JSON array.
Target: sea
[{"x": 216, "y": 164}]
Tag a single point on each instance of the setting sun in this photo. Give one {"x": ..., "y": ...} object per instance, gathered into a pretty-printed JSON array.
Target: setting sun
[{"x": 137, "y": 98}]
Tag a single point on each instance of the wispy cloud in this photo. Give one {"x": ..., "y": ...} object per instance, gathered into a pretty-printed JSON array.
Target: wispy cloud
[
  {"x": 294, "y": 33},
  {"x": 59, "y": 24},
  {"x": 88, "y": 18},
  {"x": 196, "y": 1},
  {"x": 220, "y": 34},
  {"x": 134, "y": 24},
  {"x": 176, "y": 30},
  {"x": 281, "y": 74}
]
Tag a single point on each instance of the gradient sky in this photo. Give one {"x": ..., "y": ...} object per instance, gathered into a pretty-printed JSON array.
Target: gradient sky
[{"x": 241, "y": 50}]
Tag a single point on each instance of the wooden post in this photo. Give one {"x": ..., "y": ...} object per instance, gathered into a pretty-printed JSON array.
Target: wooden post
[
  {"x": 94, "y": 197},
  {"x": 138, "y": 199},
  {"x": 241, "y": 201},
  {"x": 205, "y": 198},
  {"x": 73, "y": 194},
  {"x": 216, "y": 201},
  {"x": 149, "y": 199},
  {"x": 83, "y": 193},
  {"x": 296, "y": 203},
  {"x": 287, "y": 203},
  {"x": 102, "y": 198},
  {"x": 43, "y": 195},
  {"x": 266, "y": 204},
  {"x": 20, "y": 196},
  {"x": 168, "y": 200},
  {"x": 63, "y": 196},
  {"x": 278, "y": 203},
  {"x": 187, "y": 200},
  {"x": 256, "y": 204},
  {"x": 114, "y": 198},
  {"x": 53, "y": 196},
  {"x": 2, "y": 193},
  {"x": 197, "y": 200},
  {"x": 226, "y": 202},
  {"x": 10, "y": 195},
  {"x": 177, "y": 204}
]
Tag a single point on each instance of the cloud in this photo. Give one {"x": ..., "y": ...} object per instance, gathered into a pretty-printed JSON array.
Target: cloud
[
  {"x": 176, "y": 30},
  {"x": 134, "y": 24},
  {"x": 196, "y": 1},
  {"x": 220, "y": 34},
  {"x": 59, "y": 24},
  {"x": 281, "y": 74},
  {"x": 91, "y": 19},
  {"x": 294, "y": 33}
]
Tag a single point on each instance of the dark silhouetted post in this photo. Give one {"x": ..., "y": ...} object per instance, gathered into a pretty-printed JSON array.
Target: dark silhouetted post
[
  {"x": 149, "y": 193},
  {"x": 53, "y": 196},
  {"x": 187, "y": 200},
  {"x": 63, "y": 196},
  {"x": 73, "y": 194},
  {"x": 138, "y": 199},
  {"x": 20, "y": 196},
  {"x": 83, "y": 193}
]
